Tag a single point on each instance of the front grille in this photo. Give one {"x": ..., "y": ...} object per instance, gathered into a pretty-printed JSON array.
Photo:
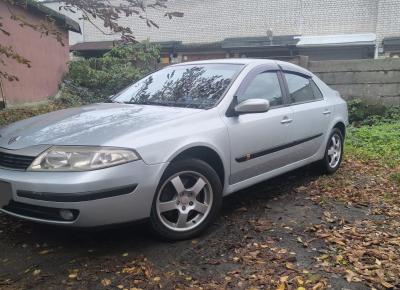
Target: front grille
[{"x": 15, "y": 161}]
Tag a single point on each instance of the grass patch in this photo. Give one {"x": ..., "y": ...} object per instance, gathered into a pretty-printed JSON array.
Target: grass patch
[{"x": 378, "y": 142}]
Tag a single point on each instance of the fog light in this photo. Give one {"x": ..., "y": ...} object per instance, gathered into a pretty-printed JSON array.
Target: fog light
[{"x": 66, "y": 214}]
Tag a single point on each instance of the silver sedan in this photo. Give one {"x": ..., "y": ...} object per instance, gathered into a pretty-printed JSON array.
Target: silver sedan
[{"x": 168, "y": 148}]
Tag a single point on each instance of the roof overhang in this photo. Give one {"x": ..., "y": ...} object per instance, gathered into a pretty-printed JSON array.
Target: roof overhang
[
  {"x": 60, "y": 19},
  {"x": 259, "y": 42},
  {"x": 94, "y": 46},
  {"x": 336, "y": 40}
]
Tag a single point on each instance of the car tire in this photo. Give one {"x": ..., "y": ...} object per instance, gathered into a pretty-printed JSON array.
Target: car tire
[
  {"x": 187, "y": 200},
  {"x": 333, "y": 153}
]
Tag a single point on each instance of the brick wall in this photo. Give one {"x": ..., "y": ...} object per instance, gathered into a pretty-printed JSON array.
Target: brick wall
[
  {"x": 215, "y": 20},
  {"x": 388, "y": 19}
]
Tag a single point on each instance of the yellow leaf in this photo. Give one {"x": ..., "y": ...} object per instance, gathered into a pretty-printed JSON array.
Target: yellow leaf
[
  {"x": 387, "y": 285},
  {"x": 301, "y": 288},
  {"x": 350, "y": 275},
  {"x": 157, "y": 279},
  {"x": 106, "y": 282},
  {"x": 281, "y": 286},
  {"x": 284, "y": 279},
  {"x": 44, "y": 252},
  {"x": 290, "y": 266},
  {"x": 300, "y": 281}
]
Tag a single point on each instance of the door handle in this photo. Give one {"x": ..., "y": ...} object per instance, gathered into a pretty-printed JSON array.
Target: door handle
[
  {"x": 286, "y": 120},
  {"x": 326, "y": 112}
]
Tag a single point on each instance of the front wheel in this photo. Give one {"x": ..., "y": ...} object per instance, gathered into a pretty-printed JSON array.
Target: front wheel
[
  {"x": 333, "y": 152},
  {"x": 187, "y": 200}
]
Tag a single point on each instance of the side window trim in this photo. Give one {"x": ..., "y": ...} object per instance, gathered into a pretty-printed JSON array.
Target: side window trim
[
  {"x": 252, "y": 75},
  {"x": 284, "y": 88},
  {"x": 287, "y": 92}
]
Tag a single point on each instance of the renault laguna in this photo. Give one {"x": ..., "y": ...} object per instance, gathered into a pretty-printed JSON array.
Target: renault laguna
[{"x": 168, "y": 148}]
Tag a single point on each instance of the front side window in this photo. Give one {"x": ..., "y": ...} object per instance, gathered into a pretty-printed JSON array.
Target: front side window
[
  {"x": 264, "y": 86},
  {"x": 300, "y": 88},
  {"x": 192, "y": 86}
]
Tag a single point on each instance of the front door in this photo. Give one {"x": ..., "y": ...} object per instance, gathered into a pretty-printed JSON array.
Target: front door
[{"x": 258, "y": 140}]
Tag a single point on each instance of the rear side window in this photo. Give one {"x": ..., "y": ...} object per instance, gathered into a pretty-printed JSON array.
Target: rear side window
[
  {"x": 317, "y": 92},
  {"x": 264, "y": 86},
  {"x": 302, "y": 89}
]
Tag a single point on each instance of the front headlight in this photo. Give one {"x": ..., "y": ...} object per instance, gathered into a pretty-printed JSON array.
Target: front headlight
[{"x": 81, "y": 158}]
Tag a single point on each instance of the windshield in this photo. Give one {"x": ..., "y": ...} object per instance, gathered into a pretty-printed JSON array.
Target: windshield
[{"x": 192, "y": 86}]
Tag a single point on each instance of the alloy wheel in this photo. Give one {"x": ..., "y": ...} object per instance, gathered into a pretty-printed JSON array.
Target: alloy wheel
[
  {"x": 184, "y": 201},
  {"x": 334, "y": 151}
]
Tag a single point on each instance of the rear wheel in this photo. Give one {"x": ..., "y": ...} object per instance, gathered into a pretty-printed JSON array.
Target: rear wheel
[
  {"x": 333, "y": 152},
  {"x": 187, "y": 200}
]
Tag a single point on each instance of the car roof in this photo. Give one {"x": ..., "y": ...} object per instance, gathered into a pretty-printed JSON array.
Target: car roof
[{"x": 253, "y": 61}]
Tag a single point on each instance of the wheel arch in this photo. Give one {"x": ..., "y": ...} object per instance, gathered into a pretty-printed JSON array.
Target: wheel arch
[
  {"x": 206, "y": 154},
  {"x": 342, "y": 127}
]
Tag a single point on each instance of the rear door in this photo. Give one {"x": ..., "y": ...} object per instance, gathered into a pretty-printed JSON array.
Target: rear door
[{"x": 311, "y": 114}]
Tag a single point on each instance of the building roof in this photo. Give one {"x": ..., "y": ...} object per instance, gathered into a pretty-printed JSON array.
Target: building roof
[
  {"x": 59, "y": 18},
  {"x": 263, "y": 41},
  {"x": 228, "y": 43},
  {"x": 337, "y": 40},
  {"x": 94, "y": 45}
]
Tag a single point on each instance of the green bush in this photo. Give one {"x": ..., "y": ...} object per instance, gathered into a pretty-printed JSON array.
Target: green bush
[
  {"x": 361, "y": 113},
  {"x": 95, "y": 79}
]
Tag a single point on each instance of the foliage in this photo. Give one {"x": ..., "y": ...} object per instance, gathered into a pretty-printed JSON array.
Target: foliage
[
  {"x": 105, "y": 12},
  {"x": 380, "y": 141},
  {"x": 95, "y": 79},
  {"x": 11, "y": 115},
  {"x": 361, "y": 113}
]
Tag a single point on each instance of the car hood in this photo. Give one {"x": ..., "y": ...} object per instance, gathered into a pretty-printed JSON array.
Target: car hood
[{"x": 89, "y": 125}]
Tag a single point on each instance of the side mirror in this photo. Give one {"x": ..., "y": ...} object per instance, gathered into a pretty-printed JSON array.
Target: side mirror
[{"x": 252, "y": 106}]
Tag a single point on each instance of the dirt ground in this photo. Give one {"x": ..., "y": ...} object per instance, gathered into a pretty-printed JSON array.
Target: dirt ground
[{"x": 282, "y": 234}]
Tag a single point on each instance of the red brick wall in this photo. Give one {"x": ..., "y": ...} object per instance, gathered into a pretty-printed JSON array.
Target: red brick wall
[{"x": 48, "y": 59}]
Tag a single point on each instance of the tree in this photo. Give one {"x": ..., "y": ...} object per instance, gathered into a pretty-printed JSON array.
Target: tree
[{"x": 104, "y": 11}]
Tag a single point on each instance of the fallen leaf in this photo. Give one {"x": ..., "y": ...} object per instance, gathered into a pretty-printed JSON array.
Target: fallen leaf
[{"x": 106, "y": 282}]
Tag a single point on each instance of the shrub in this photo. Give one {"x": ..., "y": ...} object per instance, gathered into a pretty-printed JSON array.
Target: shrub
[
  {"x": 361, "y": 113},
  {"x": 95, "y": 79},
  {"x": 11, "y": 115}
]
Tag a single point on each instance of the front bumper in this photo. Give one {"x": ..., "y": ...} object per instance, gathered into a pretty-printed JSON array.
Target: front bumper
[{"x": 113, "y": 195}]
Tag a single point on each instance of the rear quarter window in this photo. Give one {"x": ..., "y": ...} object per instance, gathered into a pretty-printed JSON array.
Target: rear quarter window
[{"x": 302, "y": 89}]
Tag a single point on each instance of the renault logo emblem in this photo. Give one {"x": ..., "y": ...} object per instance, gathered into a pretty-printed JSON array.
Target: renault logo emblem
[{"x": 13, "y": 139}]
